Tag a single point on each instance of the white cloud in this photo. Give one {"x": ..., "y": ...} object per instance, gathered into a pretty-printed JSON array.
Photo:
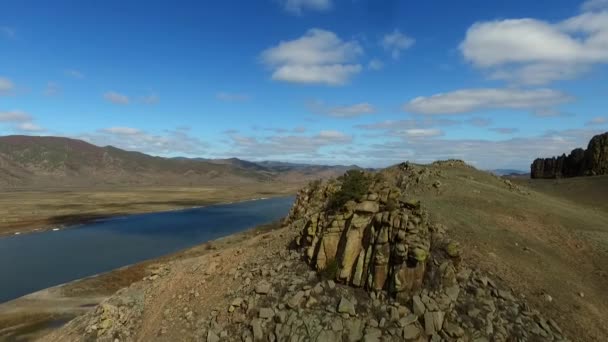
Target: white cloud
[
  {"x": 593, "y": 5},
  {"x": 298, "y": 6},
  {"x": 6, "y": 86},
  {"x": 517, "y": 153},
  {"x": 29, "y": 127},
  {"x": 396, "y": 42},
  {"x": 470, "y": 100},
  {"x": 531, "y": 51},
  {"x": 597, "y": 121},
  {"x": 169, "y": 143},
  {"x": 319, "y": 57},
  {"x": 121, "y": 130},
  {"x": 422, "y": 132},
  {"x": 116, "y": 98},
  {"x": 286, "y": 146},
  {"x": 346, "y": 111},
  {"x": 375, "y": 64},
  {"x": 52, "y": 89},
  {"x": 232, "y": 97},
  {"x": 19, "y": 121},
  {"x": 74, "y": 73},
  {"x": 15, "y": 116}
]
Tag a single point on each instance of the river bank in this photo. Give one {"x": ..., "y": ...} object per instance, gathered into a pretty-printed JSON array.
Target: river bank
[
  {"x": 34, "y": 315},
  {"x": 27, "y": 211}
]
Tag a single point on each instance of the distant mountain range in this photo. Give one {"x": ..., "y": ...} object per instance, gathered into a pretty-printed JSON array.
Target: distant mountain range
[
  {"x": 508, "y": 172},
  {"x": 29, "y": 161}
]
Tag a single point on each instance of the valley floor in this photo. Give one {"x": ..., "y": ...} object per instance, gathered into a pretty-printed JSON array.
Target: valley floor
[{"x": 23, "y": 211}]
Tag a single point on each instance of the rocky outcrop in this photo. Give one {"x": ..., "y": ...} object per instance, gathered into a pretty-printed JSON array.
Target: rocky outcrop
[
  {"x": 382, "y": 241},
  {"x": 580, "y": 162}
]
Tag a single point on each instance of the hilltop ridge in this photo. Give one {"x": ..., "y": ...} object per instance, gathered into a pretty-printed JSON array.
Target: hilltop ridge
[
  {"x": 45, "y": 161},
  {"x": 417, "y": 253}
]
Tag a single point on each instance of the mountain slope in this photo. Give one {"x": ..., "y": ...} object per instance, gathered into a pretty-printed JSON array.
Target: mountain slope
[
  {"x": 543, "y": 244},
  {"x": 57, "y": 161},
  {"x": 538, "y": 264}
]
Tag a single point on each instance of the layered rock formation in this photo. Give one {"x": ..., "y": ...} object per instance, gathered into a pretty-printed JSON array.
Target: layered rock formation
[
  {"x": 580, "y": 162},
  {"x": 382, "y": 241}
]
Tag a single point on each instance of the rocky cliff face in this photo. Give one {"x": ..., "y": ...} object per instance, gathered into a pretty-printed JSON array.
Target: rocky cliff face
[
  {"x": 580, "y": 162},
  {"x": 382, "y": 241}
]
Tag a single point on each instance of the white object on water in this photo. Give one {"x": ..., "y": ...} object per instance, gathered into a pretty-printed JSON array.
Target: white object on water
[
  {"x": 17, "y": 233},
  {"x": 55, "y": 229}
]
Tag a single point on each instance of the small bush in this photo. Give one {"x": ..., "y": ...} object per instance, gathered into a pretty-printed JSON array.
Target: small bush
[
  {"x": 330, "y": 272},
  {"x": 355, "y": 184}
]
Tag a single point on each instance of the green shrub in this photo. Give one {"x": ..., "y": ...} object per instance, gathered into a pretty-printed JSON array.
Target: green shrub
[
  {"x": 355, "y": 184},
  {"x": 330, "y": 272}
]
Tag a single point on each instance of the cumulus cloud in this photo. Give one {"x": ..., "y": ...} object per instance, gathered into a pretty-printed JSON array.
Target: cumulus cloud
[
  {"x": 168, "y": 143},
  {"x": 531, "y": 51},
  {"x": 345, "y": 111},
  {"x": 6, "y": 86},
  {"x": 400, "y": 125},
  {"x": 118, "y": 130},
  {"x": 232, "y": 97},
  {"x": 286, "y": 146},
  {"x": 396, "y": 42},
  {"x": 597, "y": 121},
  {"x": 298, "y": 6},
  {"x": 594, "y": 5},
  {"x": 19, "y": 121},
  {"x": 15, "y": 116},
  {"x": 29, "y": 127},
  {"x": 470, "y": 100},
  {"x": 422, "y": 132},
  {"x": 318, "y": 57},
  {"x": 116, "y": 98},
  {"x": 517, "y": 153}
]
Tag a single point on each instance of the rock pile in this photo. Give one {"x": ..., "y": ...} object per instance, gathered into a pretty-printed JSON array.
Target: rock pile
[
  {"x": 285, "y": 301},
  {"x": 580, "y": 162},
  {"x": 382, "y": 241}
]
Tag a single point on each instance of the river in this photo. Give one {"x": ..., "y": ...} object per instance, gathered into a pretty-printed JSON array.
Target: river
[{"x": 31, "y": 262}]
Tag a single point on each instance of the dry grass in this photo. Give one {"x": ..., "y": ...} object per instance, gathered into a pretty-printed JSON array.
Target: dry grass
[{"x": 552, "y": 241}]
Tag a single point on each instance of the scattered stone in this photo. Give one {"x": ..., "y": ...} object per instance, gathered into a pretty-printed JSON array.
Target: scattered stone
[
  {"x": 212, "y": 336},
  {"x": 266, "y": 313},
  {"x": 418, "y": 306},
  {"x": 258, "y": 333},
  {"x": 346, "y": 306},
  {"x": 263, "y": 287},
  {"x": 296, "y": 300},
  {"x": 411, "y": 332}
]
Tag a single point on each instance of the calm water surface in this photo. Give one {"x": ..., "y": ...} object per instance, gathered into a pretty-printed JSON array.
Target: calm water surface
[{"x": 32, "y": 262}]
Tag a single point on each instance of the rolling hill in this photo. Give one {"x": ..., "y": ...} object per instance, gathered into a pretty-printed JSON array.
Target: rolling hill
[{"x": 35, "y": 162}]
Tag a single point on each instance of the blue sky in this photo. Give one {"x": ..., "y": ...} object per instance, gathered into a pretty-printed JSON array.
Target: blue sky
[{"x": 324, "y": 81}]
